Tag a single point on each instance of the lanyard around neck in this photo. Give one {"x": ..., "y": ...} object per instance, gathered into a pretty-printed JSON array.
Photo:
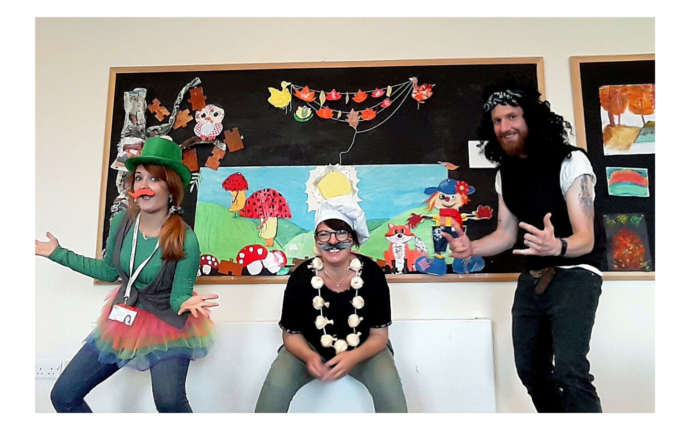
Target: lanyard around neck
[{"x": 135, "y": 275}]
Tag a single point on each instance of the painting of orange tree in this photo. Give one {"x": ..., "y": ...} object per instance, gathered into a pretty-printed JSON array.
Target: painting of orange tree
[
  {"x": 627, "y": 117},
  {"x": 627, "y": 243}
]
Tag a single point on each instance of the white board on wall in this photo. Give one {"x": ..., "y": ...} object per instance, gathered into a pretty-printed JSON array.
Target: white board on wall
[{"x": 446, "y": 365}]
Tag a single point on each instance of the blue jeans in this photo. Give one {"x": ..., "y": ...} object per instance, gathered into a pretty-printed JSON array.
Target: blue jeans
[
  {"x": 551, "y": 334},
  {"x": 84, "y": 372},
  {"x": 288, "y": 374}
]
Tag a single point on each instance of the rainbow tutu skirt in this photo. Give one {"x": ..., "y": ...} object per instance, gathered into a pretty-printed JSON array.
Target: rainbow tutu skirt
[{"x": 148, "y": 340}]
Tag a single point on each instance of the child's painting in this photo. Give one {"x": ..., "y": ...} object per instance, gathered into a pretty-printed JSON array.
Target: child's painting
[
  {"x": 260, "y": 220},
  {"x": 627, "y": 118},
  {"x": 627, "y": 243},
  {"x": 264, "y": 216},
  {"x": 627, "y": 182}
]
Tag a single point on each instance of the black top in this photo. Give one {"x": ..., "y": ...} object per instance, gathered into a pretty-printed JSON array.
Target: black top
[
  {"x": 299, "y": 314},
  {"x": 531, "y": 189}
]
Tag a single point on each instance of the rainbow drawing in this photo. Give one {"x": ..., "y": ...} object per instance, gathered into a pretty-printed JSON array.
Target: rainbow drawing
[{"x": 627, "y": 182}]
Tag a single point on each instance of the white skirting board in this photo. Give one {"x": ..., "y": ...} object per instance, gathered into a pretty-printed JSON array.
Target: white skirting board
[{"x": 445, "y": 366}]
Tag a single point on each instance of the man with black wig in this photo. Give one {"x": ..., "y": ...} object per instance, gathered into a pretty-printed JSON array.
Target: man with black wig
[{"x": 546, "y": 196}]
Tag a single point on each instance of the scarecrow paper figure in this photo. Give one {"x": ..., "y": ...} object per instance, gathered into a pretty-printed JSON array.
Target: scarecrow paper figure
[{"x": 448, "y": 198}]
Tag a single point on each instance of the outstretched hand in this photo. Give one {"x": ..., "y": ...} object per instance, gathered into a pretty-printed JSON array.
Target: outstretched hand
[
  {"x": 461, "y": 246},
  {"x": 198, "y": 304},
  {"x": 44, "y": 249},
  {"x": 540, "y": 242}
]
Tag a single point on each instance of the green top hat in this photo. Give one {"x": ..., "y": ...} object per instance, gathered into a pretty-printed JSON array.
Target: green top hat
[{"x": 162, "y": 152}]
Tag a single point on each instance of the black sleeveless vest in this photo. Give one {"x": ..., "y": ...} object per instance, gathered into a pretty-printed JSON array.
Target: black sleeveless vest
[
  {"x": 531, "y": 189},
  {"x": 155, "y": 298}
]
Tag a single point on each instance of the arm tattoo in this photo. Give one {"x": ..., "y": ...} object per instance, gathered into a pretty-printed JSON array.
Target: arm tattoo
[{"x": 586, "y": 200}]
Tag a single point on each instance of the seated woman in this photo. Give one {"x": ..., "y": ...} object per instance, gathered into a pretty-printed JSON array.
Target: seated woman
[{"x": 335, "y": 317}]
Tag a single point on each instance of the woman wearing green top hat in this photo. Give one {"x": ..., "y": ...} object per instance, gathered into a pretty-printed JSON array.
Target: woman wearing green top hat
[{"x": 146, "y": 322}]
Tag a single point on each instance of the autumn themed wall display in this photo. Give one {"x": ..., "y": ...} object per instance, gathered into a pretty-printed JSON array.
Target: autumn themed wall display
[
  {"x": 614, "y": 100},
  {"x": 268, "y": 143}
]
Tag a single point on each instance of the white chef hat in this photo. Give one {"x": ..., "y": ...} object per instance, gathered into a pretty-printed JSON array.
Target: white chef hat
[{"x": 345, "y": 209}]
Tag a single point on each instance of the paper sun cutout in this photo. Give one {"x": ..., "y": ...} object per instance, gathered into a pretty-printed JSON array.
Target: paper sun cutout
[{"x": 330, "y": 181}]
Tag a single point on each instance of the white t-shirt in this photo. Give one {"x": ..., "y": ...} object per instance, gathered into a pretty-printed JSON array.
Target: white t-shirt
[{"x": 571, "y": 169}]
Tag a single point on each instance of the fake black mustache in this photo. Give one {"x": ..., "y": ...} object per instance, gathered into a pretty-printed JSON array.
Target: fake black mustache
[{"x": 339, "y": 245}]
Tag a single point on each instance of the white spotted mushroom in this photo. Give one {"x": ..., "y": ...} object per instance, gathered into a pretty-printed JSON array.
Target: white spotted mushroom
[
  {"x": 207, "y": 263},
  {"x": 251, "y": 257}
]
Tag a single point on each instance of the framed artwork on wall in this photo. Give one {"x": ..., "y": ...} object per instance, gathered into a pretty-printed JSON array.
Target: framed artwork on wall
[{"x": 614, "y": 103}]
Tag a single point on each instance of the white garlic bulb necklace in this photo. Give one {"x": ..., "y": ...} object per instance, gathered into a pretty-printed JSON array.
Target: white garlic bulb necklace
[{"x": 340, "y": 345}]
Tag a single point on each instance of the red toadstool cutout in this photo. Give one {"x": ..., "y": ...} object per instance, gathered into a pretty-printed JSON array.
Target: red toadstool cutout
[
  {"x": 251, "y": 257},
  {"x": 267, "y": 205},
  {"x": 207, "y": 263}
]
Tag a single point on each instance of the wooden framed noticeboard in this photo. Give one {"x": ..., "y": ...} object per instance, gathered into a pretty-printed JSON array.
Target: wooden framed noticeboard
[
  {"x": 285, "y": 135},
  {"x": 614, "y": 100}
]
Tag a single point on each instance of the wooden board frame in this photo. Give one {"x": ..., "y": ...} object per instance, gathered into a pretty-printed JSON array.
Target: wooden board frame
[
  {"x": 408, "y": 278},
  {"x": 613, "y": 61}
]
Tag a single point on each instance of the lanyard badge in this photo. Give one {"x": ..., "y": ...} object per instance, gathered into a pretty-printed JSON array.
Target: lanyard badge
[{"x": 123, "y": 313}]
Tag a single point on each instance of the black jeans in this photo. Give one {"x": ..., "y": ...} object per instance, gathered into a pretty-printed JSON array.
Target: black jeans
[
  {"x": 84, "y": 372},
  {"x": 551, "y": 334}
]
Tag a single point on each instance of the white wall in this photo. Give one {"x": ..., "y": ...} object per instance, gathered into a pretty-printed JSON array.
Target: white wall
[{"x": 73, "y": 57}]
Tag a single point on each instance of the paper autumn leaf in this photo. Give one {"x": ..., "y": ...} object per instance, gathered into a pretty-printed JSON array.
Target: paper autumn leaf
[
  {"x": 322, "y": 98},
  {"x": 325, "y": 112},
  {"x": 389, "y": 91},
  {"x": 386, "y": 103},
  {"x": 368, "y": 114},
  {"x": 333, "y": 95},
  {"x": 421, "y": 92},
  {"x": 353, "y": 119},
  {"x": 447, "y": 165},
  {"x": 377, "y": 93},
  {"x": 305, "y": 94},
  {"x": 360, "y": 96}
]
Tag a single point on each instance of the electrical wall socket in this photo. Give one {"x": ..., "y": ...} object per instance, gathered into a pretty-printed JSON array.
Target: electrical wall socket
[{"x": 48, "y": 369}]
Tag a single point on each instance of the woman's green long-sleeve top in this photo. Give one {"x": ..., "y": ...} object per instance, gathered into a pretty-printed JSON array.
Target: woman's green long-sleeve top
[{"x": 104, "y": 270}]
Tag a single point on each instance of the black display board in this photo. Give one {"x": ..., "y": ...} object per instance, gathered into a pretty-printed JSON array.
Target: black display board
[
  {"x": 418, "y": 133},
  {"x": 589, "y": 75}
]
